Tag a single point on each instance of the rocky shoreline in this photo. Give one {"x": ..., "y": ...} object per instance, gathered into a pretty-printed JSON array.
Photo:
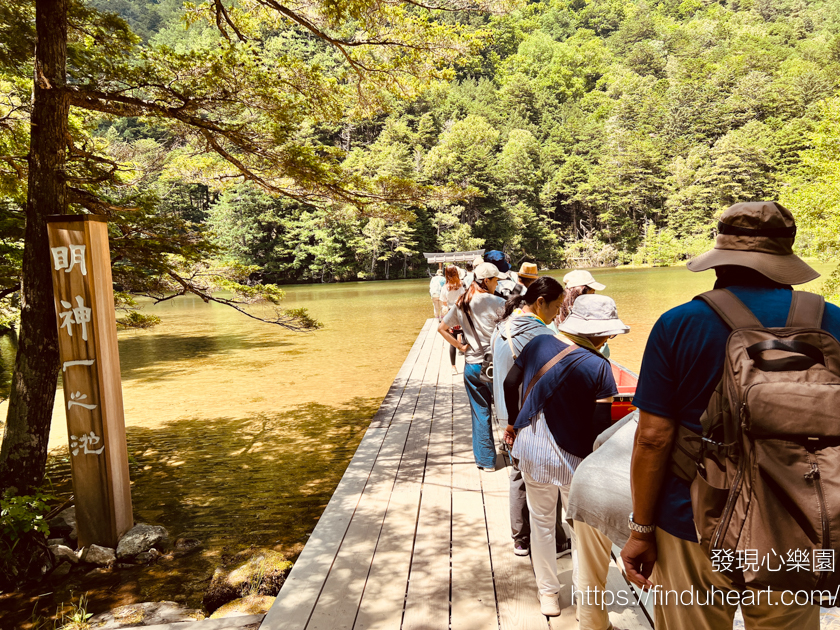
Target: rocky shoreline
[{"x": 244, "y": 585}]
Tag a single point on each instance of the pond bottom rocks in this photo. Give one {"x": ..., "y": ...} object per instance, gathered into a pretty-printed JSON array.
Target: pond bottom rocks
[
  {"x": 249, "y": 605},
  {"x": 250, "y": 572},
  {"x": 141, "y": 539},
  {"x": 145, "y": 614}
]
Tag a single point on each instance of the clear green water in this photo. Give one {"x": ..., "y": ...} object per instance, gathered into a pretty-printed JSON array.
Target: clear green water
[{"x": 239, "y": 431}]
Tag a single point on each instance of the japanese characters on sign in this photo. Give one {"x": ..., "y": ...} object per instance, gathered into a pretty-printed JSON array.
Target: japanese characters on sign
[{"x": 76, "y": 318}]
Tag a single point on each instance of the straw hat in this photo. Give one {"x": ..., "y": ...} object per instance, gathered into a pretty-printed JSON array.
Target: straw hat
[
  {"x": 581, "y": 278},
  {"x": 528, "y": 270},
  {"x": 486, "y": 270},
  {"x": 593, "y": 316},
  {"x": 758, "y": 235}
]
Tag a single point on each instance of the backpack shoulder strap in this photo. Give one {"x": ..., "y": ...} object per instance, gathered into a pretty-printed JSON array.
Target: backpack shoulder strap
[
  {"x": 510, "y": 340},
  {"x": 730, "y": 309},
  {"x": 806, "y": 310},
  {"x": 545, "y": 368}
]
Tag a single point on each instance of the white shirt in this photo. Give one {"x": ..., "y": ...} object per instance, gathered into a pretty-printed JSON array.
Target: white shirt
[
  {"x": 451, "y": 296},
  {"x": 484, "y": 309}
]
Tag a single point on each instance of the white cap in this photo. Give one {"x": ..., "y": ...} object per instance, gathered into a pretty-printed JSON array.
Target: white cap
[
  {"x": 581, "y": 278},
  {"x": 486, "y": 270},
  {"x": 478, "y": 260}
]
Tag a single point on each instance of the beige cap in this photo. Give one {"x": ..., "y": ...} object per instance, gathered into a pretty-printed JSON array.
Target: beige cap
[
  {"x": 486, "y": 270},
  {"x": 581, "y": 278}
]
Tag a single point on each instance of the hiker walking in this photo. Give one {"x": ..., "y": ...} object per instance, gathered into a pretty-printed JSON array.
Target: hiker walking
[
  {"x": 435, "y": 285},
  {"x": 449, "y": 294},
  {"x": 476, "y": 312},
  {"x": 566, "y": 404},
  {"x": 757, "y": 442}
]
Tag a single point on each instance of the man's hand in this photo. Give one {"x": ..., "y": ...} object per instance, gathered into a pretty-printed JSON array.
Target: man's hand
[
  {"x": 639, "y": 556},
  {"x": 510, "y": 435}
]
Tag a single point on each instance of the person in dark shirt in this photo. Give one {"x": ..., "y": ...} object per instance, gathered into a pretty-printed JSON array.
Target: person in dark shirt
[
  {"x": 567, "y": 394},
  {"x": 682, "y": 364}
]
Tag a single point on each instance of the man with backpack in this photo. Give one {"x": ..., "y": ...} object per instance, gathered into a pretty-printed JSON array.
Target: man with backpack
[{"x": 738, "y": 440}]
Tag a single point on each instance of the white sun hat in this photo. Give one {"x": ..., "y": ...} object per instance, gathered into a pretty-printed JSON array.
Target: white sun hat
[
  {"x": 594, "y": 316},
  {"x": 582, "y": 278}
]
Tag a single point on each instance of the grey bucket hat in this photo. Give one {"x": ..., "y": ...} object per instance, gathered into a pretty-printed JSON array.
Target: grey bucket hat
[{"x": 594, "y": 316}]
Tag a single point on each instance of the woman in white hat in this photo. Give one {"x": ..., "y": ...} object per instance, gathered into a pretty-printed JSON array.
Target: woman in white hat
[
  {"x": 476, "y": 312},
  {"x": 578, "y": 282},
  {"x": 568, "y": 391}
]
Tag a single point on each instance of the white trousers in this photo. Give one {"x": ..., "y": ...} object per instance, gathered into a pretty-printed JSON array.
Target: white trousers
[{"x": 542, "y": 505}]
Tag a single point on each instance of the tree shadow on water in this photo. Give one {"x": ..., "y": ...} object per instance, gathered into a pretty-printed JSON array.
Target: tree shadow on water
[
  {"x": 168, "y": 353},
  {"x": 232, "y": 483}
]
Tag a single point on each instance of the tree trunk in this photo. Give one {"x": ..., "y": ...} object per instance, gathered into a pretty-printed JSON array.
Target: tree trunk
[{"x": 23, "y": 455}]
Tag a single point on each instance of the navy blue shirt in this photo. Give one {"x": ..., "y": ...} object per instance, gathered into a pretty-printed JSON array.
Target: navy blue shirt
[
  {"x": 682, "y": 365},
  {"x": 566, "y": 393}
]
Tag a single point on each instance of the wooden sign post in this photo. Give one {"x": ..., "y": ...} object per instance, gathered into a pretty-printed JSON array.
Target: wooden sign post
[{"x": 90, "y": 368}]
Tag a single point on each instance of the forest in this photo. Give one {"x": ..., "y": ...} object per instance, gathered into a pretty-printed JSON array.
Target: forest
[{"x": 566, "y": 132}]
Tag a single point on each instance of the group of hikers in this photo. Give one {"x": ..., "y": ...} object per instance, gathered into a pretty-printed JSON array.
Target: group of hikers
[{"x": 734, "y": 451}]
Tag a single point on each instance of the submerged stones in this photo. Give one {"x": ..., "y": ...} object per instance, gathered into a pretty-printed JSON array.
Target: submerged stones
[
  {"x": 249, "y": 605},
  {"x": 141, "y": 539},
  {"x": 251, "y": 572},
  {"x": 145, "y": 614},
  {"x": 184, "y": 546}
]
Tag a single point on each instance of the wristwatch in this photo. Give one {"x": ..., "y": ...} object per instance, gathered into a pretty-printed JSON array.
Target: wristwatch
[{"x": 640, "y": 529}]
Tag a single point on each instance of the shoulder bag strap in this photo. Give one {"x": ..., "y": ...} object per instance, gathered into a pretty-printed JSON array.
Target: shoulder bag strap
[
  {"x": 545, "y": 368},
  {"x": 475, "y": 331},
  {"x": 510, "y": 339},
  {"x": 806, "y": 310},
  {"x": 730, "y": 309}
]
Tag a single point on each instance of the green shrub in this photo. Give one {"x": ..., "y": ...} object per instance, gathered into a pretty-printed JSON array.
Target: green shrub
[{"x": 23, "y": 537}]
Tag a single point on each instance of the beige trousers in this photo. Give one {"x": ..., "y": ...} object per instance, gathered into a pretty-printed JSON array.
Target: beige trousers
[
  {"x": 681, "y": 565},
  {"x": 593, "y": 556}
]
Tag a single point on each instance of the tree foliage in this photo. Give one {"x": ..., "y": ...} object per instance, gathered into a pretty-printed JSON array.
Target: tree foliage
[{"x": 623, "y": 124}]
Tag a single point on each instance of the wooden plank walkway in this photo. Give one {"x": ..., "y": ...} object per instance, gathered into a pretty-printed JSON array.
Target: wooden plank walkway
[{"x": 415, "y": 537}]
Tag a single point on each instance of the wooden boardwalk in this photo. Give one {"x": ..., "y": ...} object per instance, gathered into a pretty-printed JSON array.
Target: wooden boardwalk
[{"x": 415, "y": 536}]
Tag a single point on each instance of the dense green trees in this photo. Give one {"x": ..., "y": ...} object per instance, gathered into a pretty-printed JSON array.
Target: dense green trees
[{"x": 582, "y": 132}]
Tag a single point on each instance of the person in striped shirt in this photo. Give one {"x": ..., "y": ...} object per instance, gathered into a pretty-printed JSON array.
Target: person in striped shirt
[{"x": 568, "y": 391}]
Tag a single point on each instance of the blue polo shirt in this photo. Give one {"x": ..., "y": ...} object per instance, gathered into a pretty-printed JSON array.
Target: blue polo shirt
[{"x": 682, "y": 365}]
